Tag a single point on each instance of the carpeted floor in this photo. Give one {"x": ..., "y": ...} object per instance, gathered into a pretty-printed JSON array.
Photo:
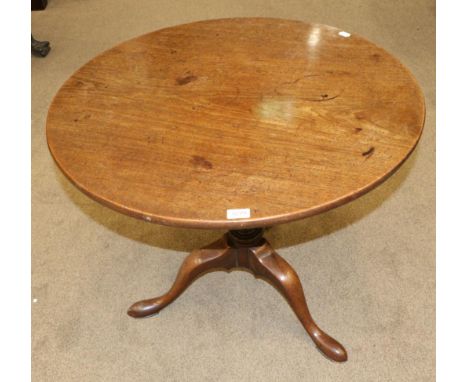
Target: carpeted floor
[{"x": 368, "y": 268}]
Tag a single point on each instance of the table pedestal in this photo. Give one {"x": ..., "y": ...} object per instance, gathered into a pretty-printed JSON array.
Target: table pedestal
[{"x": 249, "y": 250}]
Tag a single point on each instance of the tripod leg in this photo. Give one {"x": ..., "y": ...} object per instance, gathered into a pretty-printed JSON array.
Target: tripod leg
[
  {"x": 264, "y": 261},
  {"x": 215, "y": 255}
]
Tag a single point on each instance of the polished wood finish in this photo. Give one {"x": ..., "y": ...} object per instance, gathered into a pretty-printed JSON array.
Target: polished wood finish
[
  {"x": 256, "y": 255},
  {"x": 286, "y": 118}
]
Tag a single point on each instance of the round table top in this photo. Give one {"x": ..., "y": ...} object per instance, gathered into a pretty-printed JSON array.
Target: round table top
[{"x": 235, "y": 123}]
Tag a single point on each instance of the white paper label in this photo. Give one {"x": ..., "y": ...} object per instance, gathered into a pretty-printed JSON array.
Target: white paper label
[{"x": 240, "y": 213}]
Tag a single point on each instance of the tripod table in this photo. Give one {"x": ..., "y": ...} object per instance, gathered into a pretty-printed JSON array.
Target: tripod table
[{"x": 237, "y": 124}]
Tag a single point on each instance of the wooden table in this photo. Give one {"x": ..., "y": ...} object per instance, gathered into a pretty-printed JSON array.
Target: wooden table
[{"x": 238, "y": 124}]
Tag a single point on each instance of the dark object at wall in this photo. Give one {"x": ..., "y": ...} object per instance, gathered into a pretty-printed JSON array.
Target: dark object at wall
[
  {"x": 38, "y": 5},
  {"x": 39, "y": 48}
]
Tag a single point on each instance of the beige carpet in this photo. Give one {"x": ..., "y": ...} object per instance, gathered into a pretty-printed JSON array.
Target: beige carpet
[{"x": 367, "y": 268}]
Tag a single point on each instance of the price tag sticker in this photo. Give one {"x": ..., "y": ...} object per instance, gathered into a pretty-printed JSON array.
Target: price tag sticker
[{"x": 239, "y": 213}]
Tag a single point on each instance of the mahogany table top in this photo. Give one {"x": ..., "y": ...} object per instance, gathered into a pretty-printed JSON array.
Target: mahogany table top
[{"x": 283, "y": 118}]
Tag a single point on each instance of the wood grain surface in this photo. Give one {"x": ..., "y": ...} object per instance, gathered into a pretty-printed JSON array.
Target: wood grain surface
[{"x": 284, "y": 118}]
